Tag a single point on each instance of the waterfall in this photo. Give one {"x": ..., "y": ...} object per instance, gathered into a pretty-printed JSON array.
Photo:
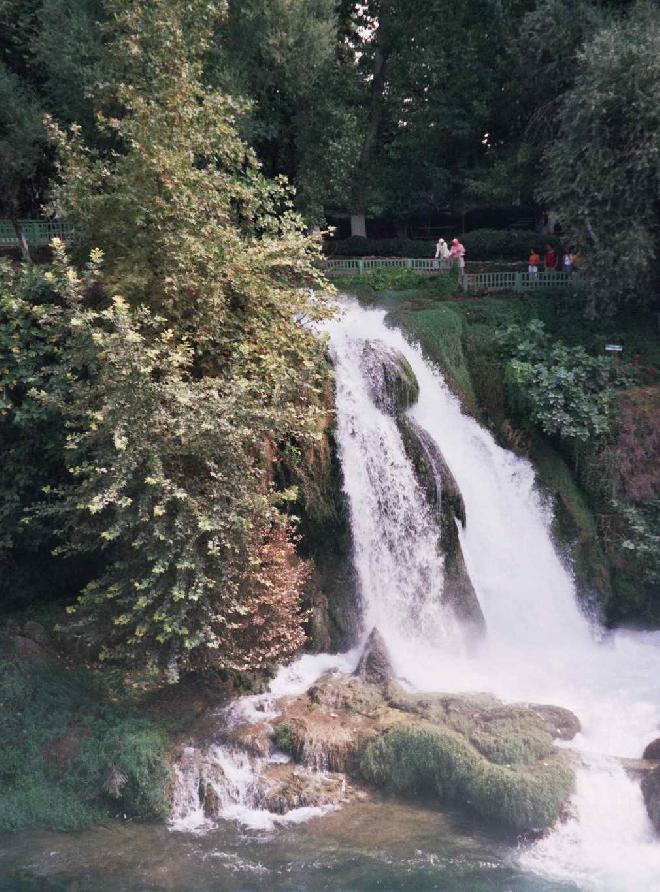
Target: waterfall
[{"x": 539, "y": 646}]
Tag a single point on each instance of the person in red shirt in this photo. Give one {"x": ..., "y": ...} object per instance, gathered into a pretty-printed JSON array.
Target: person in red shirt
[
  {"x": 550, "y": 259},
  {"x": 534, "y": 261}
]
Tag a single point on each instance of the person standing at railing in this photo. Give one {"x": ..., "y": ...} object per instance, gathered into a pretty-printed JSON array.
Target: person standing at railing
[
  {"x": 550, "y": 259},
  {"x": 457, "y": 254},
  {"x": 567, "y": 262},
  {"x": 533, "y": 263},
  {"x": 441, "y": 253},
  {"x": 578, "y": 260}
]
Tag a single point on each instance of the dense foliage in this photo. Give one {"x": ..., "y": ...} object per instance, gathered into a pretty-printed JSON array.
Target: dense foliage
[
  {"x": 169, "y": 374},
  {"x": 603, "y": 166},
  {"x": 567, "y": 392}
]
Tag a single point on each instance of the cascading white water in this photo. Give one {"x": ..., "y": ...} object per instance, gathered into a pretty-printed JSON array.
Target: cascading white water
[
  {"x": 232, "y": 774},
  {"x": 538, "y": 646},
  {"x": 398, "y": 564}
]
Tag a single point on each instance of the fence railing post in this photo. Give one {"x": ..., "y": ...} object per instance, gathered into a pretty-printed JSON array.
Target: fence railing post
[
  {"x": 361, "y": 266},
  {"x": 517, "y": 282}
]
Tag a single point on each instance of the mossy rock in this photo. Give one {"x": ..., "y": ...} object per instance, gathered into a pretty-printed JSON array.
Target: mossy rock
[
  {"x": 574, "y": 522},
  {"x": 439, "y": 332},
  {"x": 496, "y": 759},
  {"x": 419, "y": 760},
  {"x": 393, "y": 384}
]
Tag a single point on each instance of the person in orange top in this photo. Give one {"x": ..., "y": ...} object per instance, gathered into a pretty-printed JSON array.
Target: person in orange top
[{"x": 534, "y": 261}]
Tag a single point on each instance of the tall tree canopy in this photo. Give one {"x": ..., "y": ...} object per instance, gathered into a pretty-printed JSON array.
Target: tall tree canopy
[{"x": 603, "y": 175}]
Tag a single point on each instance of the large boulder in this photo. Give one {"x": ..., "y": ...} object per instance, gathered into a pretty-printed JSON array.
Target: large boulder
[
  {"x": 392, "y": 382},
  {"x": 497, "y": 760},
  {"x": 445, "y": 497},
  {"x": 651, "y": 793}
]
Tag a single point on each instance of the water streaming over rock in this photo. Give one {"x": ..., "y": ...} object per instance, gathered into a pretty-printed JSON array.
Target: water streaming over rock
[{"x": 538, "y": 646}]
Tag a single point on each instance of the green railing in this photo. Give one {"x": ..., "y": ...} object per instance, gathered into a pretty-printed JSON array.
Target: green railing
[
  {"x": 518, "y": 281},
  {"x": 37, "y": 232},
  {"x": 358, "y": 265},
  {"x": 475, "y": 282}
]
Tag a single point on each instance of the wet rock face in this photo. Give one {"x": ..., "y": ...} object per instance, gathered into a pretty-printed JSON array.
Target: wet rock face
[
  {"x": 445, "y": 497},
  {"x": 375, "y": 666},
  {"x": 393, "y": 384},
  {"x": 281, "y": 788},
  {"x": 651, "y": 793},
  {"x": 652, "y": 751}
]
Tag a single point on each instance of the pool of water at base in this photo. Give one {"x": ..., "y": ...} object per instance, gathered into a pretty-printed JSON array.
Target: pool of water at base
[{"x": 376, "y": 845}]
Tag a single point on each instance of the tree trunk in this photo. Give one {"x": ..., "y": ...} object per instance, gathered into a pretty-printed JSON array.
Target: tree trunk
[
  {"x": 22, "y": 241},
  {"x": 358, "y": 225},
  {"x": 361, "y": 173}
]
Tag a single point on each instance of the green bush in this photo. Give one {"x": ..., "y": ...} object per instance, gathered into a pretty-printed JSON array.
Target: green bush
[
  {"x": 356, "y": 246},
  {"x": 480, "y": 244},
  {"x": 441, "y": 286},
  {"x": 67, "y": 758},
  {"x": 283, "y": 737},
  {"x": 563, "y": 390},
  {"x": 505, "y": 244},
  {"x": 423, "y": 761}
]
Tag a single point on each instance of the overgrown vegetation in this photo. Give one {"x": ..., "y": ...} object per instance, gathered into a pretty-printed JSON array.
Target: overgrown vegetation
[
  {"x": 67, "y": 758},
  {"x": 165, "y": 377}
]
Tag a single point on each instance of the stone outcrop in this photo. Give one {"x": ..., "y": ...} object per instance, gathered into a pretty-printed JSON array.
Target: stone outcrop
[
  {"x": 283, "y": 787},
  {"x": 375, "y": 666},
  {"x": 497, "y": 760},
  {"x": 393, "y": 384},
  {"x": 445, "y": 497}
]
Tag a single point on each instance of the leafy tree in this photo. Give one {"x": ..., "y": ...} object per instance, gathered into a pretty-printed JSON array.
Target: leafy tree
[
  {"x": 52, "y": 55},
  {"x": 603, "y": 167},
  {"x": 179, "y": 396},
  {"x": 278, "y": 55},
  {"x": 22, "y": 143}
]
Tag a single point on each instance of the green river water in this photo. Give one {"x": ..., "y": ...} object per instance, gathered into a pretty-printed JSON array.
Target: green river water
[{"x": 379, "y": 845}]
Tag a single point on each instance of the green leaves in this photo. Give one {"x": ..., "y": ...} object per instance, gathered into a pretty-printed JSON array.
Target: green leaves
[
  {"x": 567, "y": 392},
  {"x": 602, "y": 169}
]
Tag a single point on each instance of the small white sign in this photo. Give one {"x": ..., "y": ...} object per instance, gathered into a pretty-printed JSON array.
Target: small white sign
[{"x": 614, "y": 348}]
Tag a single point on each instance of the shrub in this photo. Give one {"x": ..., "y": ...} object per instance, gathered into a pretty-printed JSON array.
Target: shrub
[
  {"x": 480, "y": 244},
  {"x": 68, "y": 759},
  {"x": 357, "y": 246},
  {"x": 403, "y": 279},
  {"x": 564, "y": 390},
  {"x": 504, "y": 244},
  {"x": 283, "y": 737}
]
